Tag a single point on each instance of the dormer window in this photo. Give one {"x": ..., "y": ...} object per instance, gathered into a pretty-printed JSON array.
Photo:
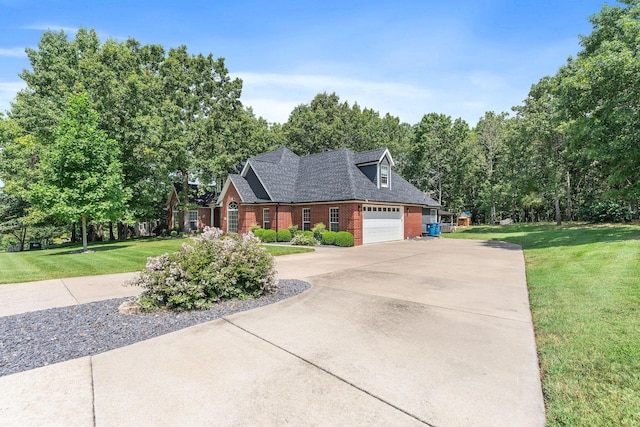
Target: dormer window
[{"x": 384, "y": 175}]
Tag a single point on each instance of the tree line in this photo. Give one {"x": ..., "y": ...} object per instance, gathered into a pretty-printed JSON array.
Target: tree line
[{"x": 127, "y": 120}]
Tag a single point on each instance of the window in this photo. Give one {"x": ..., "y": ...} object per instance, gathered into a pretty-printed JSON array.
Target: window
[
  {"x": 193, "y": 220},
  {"x": 306, "y": 219},
  {"x": 384, "y": 175},
  {"x": 266, "y": 223},
  {"x": 333, "y": 219},
  {"x": 232, "y": 217},
  {"x": 176, "y": 218}
]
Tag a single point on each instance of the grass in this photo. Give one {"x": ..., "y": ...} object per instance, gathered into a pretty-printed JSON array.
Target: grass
[
  {"x": 584, "y": 288},
  {"x": 108, "y": 257}
]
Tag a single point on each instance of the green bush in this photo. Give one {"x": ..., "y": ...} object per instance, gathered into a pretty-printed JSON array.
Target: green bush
[
  {"x": 308, "y": 234},
  {"x": 174, "y": 233},
  {"x": 210, "y": 270},
  {"x": 317, "y": 230},
  {"x": 304, "y": 239},
  {"x": 258, "y": 232},
  {"x": 329, "y": 238},
  {"x": 253, "y": 227},
  {"x": 284, "y": 235},
  {"x": 269, "y": 236},
  {"x": 344, "y": 239},
  {"x": 606, "y": 211},
  {"x": 292, "y": 229}
]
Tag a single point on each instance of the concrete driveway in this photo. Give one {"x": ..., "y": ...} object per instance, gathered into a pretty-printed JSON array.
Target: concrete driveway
[{"x": 431, "y": 332}]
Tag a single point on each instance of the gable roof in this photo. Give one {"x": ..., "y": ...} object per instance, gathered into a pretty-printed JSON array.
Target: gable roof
[
  {"x": 373, "y": 156},
  {"x": 323, "y": 177}
]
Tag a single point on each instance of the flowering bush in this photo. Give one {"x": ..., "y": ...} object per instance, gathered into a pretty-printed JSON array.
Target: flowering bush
[
  {"x": 304, "y": 239},
  {"x": 214, "y": 268}
]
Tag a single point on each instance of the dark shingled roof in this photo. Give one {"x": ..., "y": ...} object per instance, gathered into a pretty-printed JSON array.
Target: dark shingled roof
[
  {"x": 195, "y": 196},
  {"x": 324, "y": 177}
]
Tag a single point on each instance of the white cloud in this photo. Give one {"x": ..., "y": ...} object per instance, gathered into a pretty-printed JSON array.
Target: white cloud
[
  {"x": 8, "y": 91},
  {"x": 54, "y": 27},
  {"x": 273, "y": 96},
  {"x": 16, "y": 52}
]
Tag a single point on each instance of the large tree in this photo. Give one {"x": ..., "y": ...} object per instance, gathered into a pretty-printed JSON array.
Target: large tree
[
  {"x": 81, "y": 177},
  {"x": 328, "y": 124},
  {"x": 599, "y": 98}
]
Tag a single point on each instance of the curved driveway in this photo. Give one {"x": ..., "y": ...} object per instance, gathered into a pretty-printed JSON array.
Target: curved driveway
[{"x": 434, "y": 332}]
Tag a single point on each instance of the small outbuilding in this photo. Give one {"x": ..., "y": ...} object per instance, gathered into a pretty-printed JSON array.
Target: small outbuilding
[{"x": 464, "y": 219}]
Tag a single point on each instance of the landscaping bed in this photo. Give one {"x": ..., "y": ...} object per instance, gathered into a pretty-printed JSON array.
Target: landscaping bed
[{"x": 40, "y": 338}]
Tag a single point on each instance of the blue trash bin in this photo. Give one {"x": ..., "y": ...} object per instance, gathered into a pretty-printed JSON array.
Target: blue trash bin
[
  {"x": 436, "y": 229},
  {"x": 430, "y": 230}
]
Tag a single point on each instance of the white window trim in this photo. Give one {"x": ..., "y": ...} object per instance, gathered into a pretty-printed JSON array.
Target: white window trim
[
  {"x": 229, "y": 216},
  {"x": 191, "y": 221},
  {"x": 306, "y": 222},
  {"x": 176, "y": 217},
  {"x": 388, "y": 176},
  {"x": 337, "y": 223},
  {"x": 267, "y": 214}
]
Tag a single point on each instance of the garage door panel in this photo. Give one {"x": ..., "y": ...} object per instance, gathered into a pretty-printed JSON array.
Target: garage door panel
[{"x": 381, "y": 225}]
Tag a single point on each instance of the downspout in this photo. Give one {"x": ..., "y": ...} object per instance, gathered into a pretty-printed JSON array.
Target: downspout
[{"x": 277, "y": 209}]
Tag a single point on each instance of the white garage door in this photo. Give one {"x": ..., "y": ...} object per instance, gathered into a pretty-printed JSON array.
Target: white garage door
[{"x": 382, "y": 224}]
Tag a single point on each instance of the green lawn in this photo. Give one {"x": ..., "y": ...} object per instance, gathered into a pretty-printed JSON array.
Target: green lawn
[
  {"x": 108, "y": 257},
  {"x": 584, "y": 287}
]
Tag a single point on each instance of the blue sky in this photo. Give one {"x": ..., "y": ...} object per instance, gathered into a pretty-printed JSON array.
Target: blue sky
[{"x": 406, "y": 58}]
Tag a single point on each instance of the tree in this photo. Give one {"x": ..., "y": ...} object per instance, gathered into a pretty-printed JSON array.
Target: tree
[
  {"x": 81, "y": 175},
  {"x": 12, "y": 213},
  {"x": 599, "y": 99},
  {"x": 328, "y": 124},
  {"x": 442, "y": 158},
  {"x": 172, "y": 114},
  {"x": 490, "y": 133}
]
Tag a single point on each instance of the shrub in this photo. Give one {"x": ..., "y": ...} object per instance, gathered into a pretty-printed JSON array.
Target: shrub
[
  {"x": 284, "y": 236},
  {"x": 259, "y": 232},
  {"x": 212, "y": 269},
  {"x": 269, "y": 236},
  {"x": 344, "y": 239},
  {"x": 292, "y": 229},
  {"x": 317, "y": 230},
  {"x": 329, "y": 238},
  {"x": 606, "y": 211},
  {"x": 304, "y": 239},
  {"x": 253, "y": 227},
  {"x": 174, "y": 233},
  {"x": 308, "y": 234}
]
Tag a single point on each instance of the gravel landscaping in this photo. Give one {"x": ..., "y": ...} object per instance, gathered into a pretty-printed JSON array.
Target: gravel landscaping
[{"x": 40, "y": 338}]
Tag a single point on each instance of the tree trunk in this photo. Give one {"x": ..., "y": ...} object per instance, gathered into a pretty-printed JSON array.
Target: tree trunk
[
  {"x": 23, "y": 237},
  {"x": 557, "y": 208},
  {"x": 84, "y": 233},
  {"x": 74, "y": 234},
  {"x": 122, "y": 231},
  {"x": 569, "y": 205},
  {"x": 184, "y": 201},
  {"x": 111, "y": 236}
]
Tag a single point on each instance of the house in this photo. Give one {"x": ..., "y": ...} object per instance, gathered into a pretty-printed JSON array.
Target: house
[
  {"x": 355, "y": 192},
  {"x": 201, "y": 209}
]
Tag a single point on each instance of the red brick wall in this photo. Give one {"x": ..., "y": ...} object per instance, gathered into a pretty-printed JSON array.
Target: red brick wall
[
  {"x": 349, "y": 218},
  {"x": 412, "y": 222},
  {"x": 204, "y": 218}
]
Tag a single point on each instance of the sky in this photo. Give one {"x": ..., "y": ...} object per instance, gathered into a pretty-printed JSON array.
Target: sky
[{"x": 406, "y": 57}]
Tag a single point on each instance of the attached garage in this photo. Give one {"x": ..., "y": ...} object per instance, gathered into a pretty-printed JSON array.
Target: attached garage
[{"x": 382, "y": 224}]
